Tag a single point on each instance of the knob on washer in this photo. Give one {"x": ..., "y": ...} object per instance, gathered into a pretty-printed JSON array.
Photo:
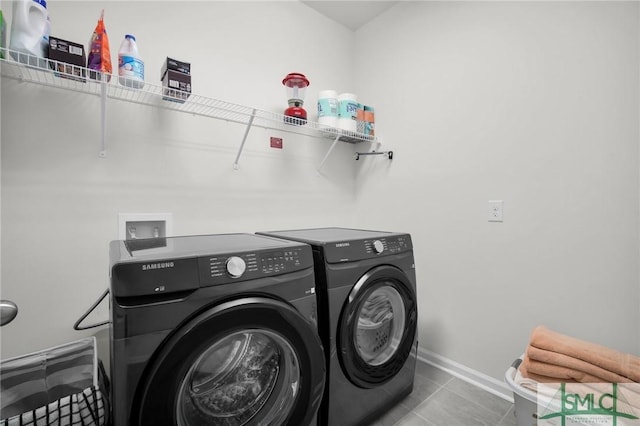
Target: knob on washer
[
  {"x": 378, "y": 247},
  {"x": 235, "y": 266}
]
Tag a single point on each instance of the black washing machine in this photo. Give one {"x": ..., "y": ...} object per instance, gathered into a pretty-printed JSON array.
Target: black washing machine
[
  {"x": 366, "y": 287},
  {"x": 214, "y": 330}
]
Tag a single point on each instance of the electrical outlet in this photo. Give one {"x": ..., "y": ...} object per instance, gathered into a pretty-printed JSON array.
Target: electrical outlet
[
  {"x": 133, "y": 226},
  {"x": 496, "y": 212}
]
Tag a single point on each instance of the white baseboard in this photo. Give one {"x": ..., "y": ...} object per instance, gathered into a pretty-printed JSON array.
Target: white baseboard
[{"x": 467, "y": 374}]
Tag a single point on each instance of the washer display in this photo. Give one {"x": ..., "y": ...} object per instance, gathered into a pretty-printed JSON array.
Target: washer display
[
  {"x": 214, "y": 330},
  {"x": 366, "y": 289}
]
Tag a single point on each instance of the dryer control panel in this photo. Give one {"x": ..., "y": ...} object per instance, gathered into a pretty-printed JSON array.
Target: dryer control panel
[
  {"x": 386, "y": 245},
  {"x": 347, "y": 251},
  {"x": 223, "y": 269}
]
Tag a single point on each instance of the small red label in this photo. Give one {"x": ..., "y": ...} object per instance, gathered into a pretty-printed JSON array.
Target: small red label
[{"x": 276, "y": 142}]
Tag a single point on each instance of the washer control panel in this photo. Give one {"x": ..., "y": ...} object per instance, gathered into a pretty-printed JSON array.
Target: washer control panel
[{"x": 222, "y": 269}]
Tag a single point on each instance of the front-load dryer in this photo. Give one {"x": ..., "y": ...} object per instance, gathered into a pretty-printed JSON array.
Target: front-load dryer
[
  {"x": 366, "y": 287},
  {"x": 214, "y": 330}
]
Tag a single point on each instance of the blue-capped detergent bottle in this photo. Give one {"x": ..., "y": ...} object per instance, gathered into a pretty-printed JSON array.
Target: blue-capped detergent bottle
[
  {"x": 30, "y": 28},
  {"x": 130, "y": 64}
]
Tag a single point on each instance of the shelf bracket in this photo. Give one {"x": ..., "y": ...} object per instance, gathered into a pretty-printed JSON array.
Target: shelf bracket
[
  {"x": 103, "y": 120},
  {"x": 244, "y": 138},
  {"x": 333, "y": 145},
  {"x": 389, "y": 154}
]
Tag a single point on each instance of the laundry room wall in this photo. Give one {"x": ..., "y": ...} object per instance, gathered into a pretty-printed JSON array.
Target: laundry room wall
[
  {"x": 60, "y": 201},
  {"x": 532, "y": 103}
]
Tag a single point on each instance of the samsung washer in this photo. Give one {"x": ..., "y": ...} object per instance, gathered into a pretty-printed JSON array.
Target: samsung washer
[
  {"x": 366, "y": 287},
  {"x": 214, "y": 330}
]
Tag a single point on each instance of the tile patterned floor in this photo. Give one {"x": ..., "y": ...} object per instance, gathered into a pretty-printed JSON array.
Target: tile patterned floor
[{"x": 440, "y": 399}]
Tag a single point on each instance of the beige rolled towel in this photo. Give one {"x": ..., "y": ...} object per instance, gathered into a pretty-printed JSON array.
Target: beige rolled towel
[
  {"x": 524, "y": 372},
  {"x": 561, "y": 374},
  {"x": 575, "y": 364},
  {"x": 620, "y": 363}
]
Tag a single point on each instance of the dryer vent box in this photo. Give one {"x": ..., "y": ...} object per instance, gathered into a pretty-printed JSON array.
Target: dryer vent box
[{"x": 133, "y": 226}]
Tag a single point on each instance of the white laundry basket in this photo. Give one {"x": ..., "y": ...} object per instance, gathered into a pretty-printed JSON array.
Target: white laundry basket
[
  {"x": 525, "y": 400},
  {"x": 64, "y": 385}
]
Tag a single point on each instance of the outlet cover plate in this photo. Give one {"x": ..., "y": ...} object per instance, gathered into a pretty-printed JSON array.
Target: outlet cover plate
[{"x": 496, "y": 211}]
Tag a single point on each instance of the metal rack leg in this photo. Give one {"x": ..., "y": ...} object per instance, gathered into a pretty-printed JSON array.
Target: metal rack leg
[
  {"x": 244, "y": 139},
  {"x": 333, "y": 145},
  {"x": 103, "y": 119}
]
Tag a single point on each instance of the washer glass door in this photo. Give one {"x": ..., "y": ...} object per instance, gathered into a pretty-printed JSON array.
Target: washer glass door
[
  {"x": 231, "y": 381},
  {"x": 248, "y": 361}
]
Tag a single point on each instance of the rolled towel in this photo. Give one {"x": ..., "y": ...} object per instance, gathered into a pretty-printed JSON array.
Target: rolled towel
[
  {"x": 526, "y": 374},
  {"x": 561, "y": 374},
  {"x": 561, "y": 360},
  {"x": 617, "y": 362}
]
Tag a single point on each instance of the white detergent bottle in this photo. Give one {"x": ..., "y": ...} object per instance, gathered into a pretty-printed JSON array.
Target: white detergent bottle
[
  {"x": 30, "y": 27},
  {"x": 130, "y": 65},
  {"x": 44, "y": 41}
]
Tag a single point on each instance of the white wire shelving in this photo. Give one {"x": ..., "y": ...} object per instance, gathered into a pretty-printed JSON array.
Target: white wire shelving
[{"x": 46, "y": 72}]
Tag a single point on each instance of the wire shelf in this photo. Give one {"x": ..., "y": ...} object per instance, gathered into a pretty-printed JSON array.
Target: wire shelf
[{"x": 29, "y": 68}]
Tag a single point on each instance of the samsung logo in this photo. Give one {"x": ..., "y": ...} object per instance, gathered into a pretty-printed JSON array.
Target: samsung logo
[
  {"x": 161, "y": 265},
  {"x": 342, "y": 245}
]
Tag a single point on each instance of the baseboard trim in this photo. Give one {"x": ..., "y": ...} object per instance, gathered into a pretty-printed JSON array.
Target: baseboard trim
[{"x": 467, "y": 374}]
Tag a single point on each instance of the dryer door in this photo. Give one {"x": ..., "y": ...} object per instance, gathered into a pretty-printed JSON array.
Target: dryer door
[
  {"x": 245, "y": 362},
  {"x": 377, "y": 327}
]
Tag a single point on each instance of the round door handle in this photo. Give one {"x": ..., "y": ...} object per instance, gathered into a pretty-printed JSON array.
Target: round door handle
[{"x": 8, "y": 311}]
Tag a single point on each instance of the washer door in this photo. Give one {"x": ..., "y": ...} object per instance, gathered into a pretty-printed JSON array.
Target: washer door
[
  {"x": 377, "y": 327},
  {"x": 245, "y": 362}
]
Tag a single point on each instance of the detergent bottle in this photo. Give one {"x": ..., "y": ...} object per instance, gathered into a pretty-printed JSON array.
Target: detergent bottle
[
  {"x": 30, "y": 28},
  {"x": 130, "y": 64}
]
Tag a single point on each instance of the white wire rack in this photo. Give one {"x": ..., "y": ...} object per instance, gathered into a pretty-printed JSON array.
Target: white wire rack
[{"x": 28, "y": 68}]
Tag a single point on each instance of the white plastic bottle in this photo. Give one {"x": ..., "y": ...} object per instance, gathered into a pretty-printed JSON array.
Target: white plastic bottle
[
  {"x": 130, "y": 64},
  {"x": 30, "y": 28},
  {"x": 44, "y": 41}
]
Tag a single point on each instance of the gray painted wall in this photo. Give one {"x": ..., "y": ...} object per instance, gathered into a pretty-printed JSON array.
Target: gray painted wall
[
  {"x": 60, "y": 201},
  {"x": 532, "y": 103}
]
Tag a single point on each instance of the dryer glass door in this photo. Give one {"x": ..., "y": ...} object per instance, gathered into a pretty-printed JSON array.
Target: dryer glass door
[
  {"x": 377, "y": 327},
  {"x": 250, "y": 361},
  {"x": 380, "y": 324}
]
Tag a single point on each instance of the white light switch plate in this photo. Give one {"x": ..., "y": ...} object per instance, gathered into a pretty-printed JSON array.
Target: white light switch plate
[{"x": 496, "y": 211}]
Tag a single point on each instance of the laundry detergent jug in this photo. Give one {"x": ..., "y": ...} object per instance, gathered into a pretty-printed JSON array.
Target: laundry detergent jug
[{"x": 30, "y": 28}]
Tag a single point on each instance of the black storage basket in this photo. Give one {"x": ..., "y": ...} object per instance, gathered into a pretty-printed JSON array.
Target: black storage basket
[{"x": 64, "y": 386}]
